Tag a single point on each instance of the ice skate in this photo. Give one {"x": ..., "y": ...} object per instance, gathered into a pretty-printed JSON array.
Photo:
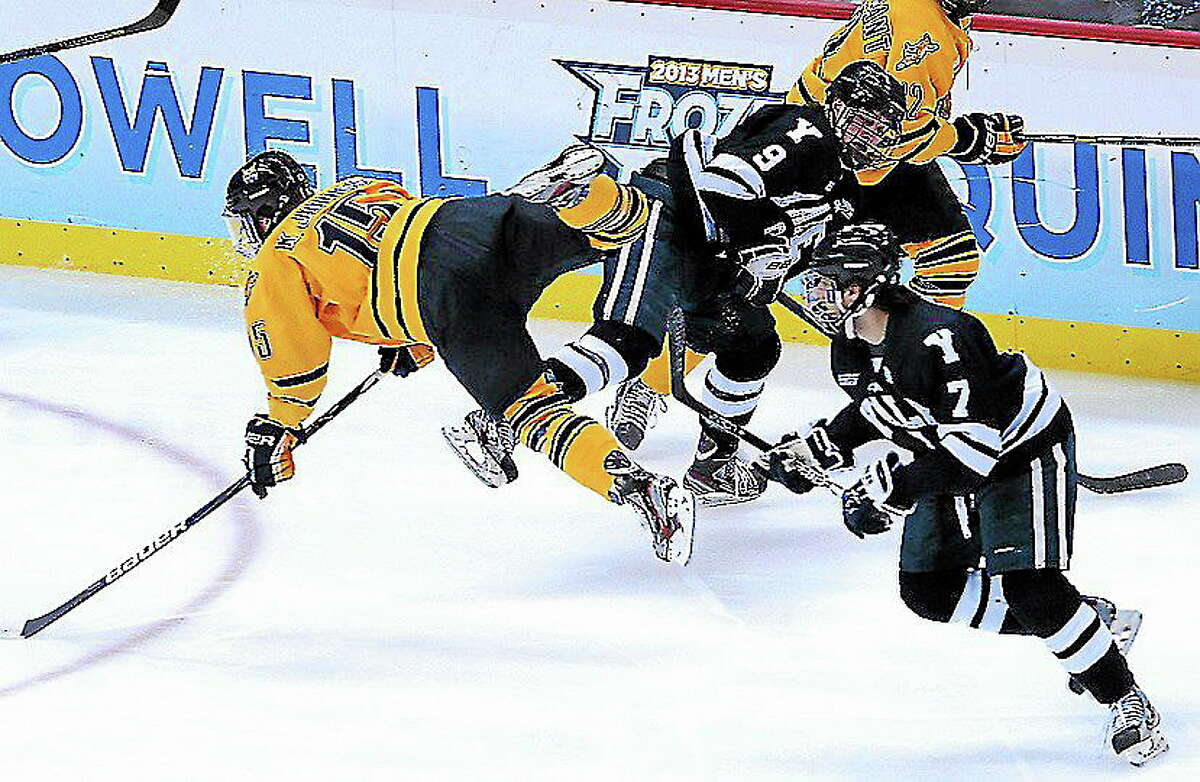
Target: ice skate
[
  {"x": 724, "y": 480},
  {"x": 1134, "y": 728},
  {"x": 633, "y": 412},
  {"x": 485, "y": 445},
  {"x": 667, "y": 509},
  {"x": 563, "y": 182},
  {"x": 1122, "y": 623}
]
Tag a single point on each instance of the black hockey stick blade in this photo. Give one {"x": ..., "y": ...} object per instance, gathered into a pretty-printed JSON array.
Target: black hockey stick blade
[
  {"x": 35, "y": 625},
  {"x": 158, "y": 17},
  {"x": 1148, "y": 478},
  {"x": 1146, "y": 141}
]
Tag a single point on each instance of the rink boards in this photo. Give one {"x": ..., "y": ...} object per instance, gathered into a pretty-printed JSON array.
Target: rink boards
[{"x": 114, "y": 158}]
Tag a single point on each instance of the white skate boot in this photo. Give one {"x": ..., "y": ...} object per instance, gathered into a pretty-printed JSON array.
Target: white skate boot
[
  {"x": 633, "y": 412},
  {"x": 563, "y": 182}
]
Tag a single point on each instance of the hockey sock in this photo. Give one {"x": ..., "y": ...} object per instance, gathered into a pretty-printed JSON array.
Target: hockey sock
[
  {"x": 658, "y": 373},
  {"x": 945, "y": 267},
  {"x": 965, "y": 597},
  {"x": 606, "y": 355},
  {"x": 612, "y": 214},
  {"x": 1046, "y": 602},
  {"x": 576, "y": 444}
]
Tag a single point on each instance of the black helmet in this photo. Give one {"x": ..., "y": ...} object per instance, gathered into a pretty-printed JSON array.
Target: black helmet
[
  {"x": 866, "y": 107},
  {"x": 957, "y": 9},
  {"x": 260, "y": 194},
  {"x": 867, "y": 255}
]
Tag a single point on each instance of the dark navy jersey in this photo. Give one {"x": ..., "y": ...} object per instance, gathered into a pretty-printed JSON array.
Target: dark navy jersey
[
  {"x": 769, "y": 183},
  {"x": 938, "y": 387}
]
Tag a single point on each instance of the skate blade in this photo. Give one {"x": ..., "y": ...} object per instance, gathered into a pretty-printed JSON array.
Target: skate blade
[
  {"x": 464, "y": 444},
  {"x": 681, "y": 505},
  {"x": 1148, "y": 749},
  {"x": 1125, "y": 628}
]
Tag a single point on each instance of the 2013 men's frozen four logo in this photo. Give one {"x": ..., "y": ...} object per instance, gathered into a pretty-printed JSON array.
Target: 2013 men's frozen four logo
[{"x": 637, "y": 110}]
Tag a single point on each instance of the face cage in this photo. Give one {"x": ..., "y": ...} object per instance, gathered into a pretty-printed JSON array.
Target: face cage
[
  {"x": 867, "y": 137},
  {"x": 246, "y": 238},
  {"x": 821, "y": 302}
]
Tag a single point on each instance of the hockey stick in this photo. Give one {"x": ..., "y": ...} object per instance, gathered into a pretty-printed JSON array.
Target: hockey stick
[
  {"x": 1154, "y": 141},
  {"x": 161, "y": 14},
  {"x": 677, "y": 355},
  {"x": 1145, "y": 478},
  {"x": 39, "y": 623}
]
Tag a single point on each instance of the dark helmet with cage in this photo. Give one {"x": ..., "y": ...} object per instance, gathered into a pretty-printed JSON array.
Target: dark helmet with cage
[
  {"x": 866, "y": 106},
  {"x": 260, "y": 194},
  {"x": 957, "y": 9},
  {"x": 866, "y": 255}
]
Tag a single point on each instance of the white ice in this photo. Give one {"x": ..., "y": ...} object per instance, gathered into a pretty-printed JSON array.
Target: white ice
[{"x": 385, "y": 616}]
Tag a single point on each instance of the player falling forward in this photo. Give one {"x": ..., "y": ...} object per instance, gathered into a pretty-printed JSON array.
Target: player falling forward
[
  {"x": 923, "y": 44},
  {"x": 929, "y": 380},
  {"x": 730, "y": 220},
  {"x": 365, "y": 260}
]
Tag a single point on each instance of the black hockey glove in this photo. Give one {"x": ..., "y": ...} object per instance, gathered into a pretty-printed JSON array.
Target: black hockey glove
[
  {"x": 762, "y": 271},
  {"x": 268, "y": 456},
  {"x": 865, "y": 505},
  {"x": 792, "y": 461},
  {"x": 988, "y": 139},
  {"x": 404, "y": 360}
]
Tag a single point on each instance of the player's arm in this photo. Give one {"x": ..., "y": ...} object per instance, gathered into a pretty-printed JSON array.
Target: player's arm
[{"x": 291, "y": 346}]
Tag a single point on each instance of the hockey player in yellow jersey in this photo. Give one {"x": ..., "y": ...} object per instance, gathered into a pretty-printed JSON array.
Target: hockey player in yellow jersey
[
  {"x": 365, "y": 260},
  {"x": 924, "y": 44}
]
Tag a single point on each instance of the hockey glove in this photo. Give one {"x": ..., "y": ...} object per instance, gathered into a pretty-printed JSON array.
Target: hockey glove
[
  {"x": 404, "y": 360},
  {"x": 793, "y": 461},
  {"x": 865, "y": 505},
  {"x": 988, "y": 139},
  {"x": 268, "y": 457},
  {"x": 762, "y": 271}
]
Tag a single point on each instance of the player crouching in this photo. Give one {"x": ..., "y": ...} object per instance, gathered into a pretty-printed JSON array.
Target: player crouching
[
  {"x": 987, "y": 472},
  {"x": 367, "y": 261}
]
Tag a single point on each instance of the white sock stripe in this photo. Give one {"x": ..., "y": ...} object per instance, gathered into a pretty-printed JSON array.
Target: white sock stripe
[
  {"x": 583, "y": 365},
  {"x": 1037, "y": 513},
  {"x": 618, "y": 370},
  {"x": 723, "y": 383},
  {"x": 1070, "y": 632},
  {"x": 639, "y": 282},
  {"x": 997, "y": 607},
  {"x": 725, "y": 407},
  {"x": 968, "y": 601},
  {"x": 1090, "y": 653}
]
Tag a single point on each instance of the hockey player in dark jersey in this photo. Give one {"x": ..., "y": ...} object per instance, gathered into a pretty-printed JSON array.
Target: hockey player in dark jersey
[
  {"x": 730, "y": 221},
  {"x": 963, "y": 418},
  {"x": 367, "y": 261}
]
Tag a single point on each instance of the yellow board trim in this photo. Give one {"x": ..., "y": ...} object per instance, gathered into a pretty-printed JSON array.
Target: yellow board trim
[
  {"x": 117, "y": 251},
  {"x": 1088, "y": 347}
]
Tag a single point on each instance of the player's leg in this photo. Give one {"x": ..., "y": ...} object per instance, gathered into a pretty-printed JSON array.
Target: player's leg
[
  {"x": 1026, "y": 519},
  {"x": 489, "y": 350},
  {"x": 747, "y": 348},
  {"x": 918, "y": 204}
]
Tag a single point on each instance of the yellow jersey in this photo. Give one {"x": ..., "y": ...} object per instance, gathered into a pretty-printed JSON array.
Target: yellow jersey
[
  {"x": 915, "y": 41},
  {"x": 341, "y": 264}
]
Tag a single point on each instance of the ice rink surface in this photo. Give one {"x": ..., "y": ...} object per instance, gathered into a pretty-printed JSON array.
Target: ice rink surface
[{"x": 386, "y": 616}]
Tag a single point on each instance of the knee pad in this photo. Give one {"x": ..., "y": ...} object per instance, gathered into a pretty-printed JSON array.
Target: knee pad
[
  {"x": 751, "y": 360},
  {"x": 1043, "y": 600},
  {"x": 932, "y": 595}
]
